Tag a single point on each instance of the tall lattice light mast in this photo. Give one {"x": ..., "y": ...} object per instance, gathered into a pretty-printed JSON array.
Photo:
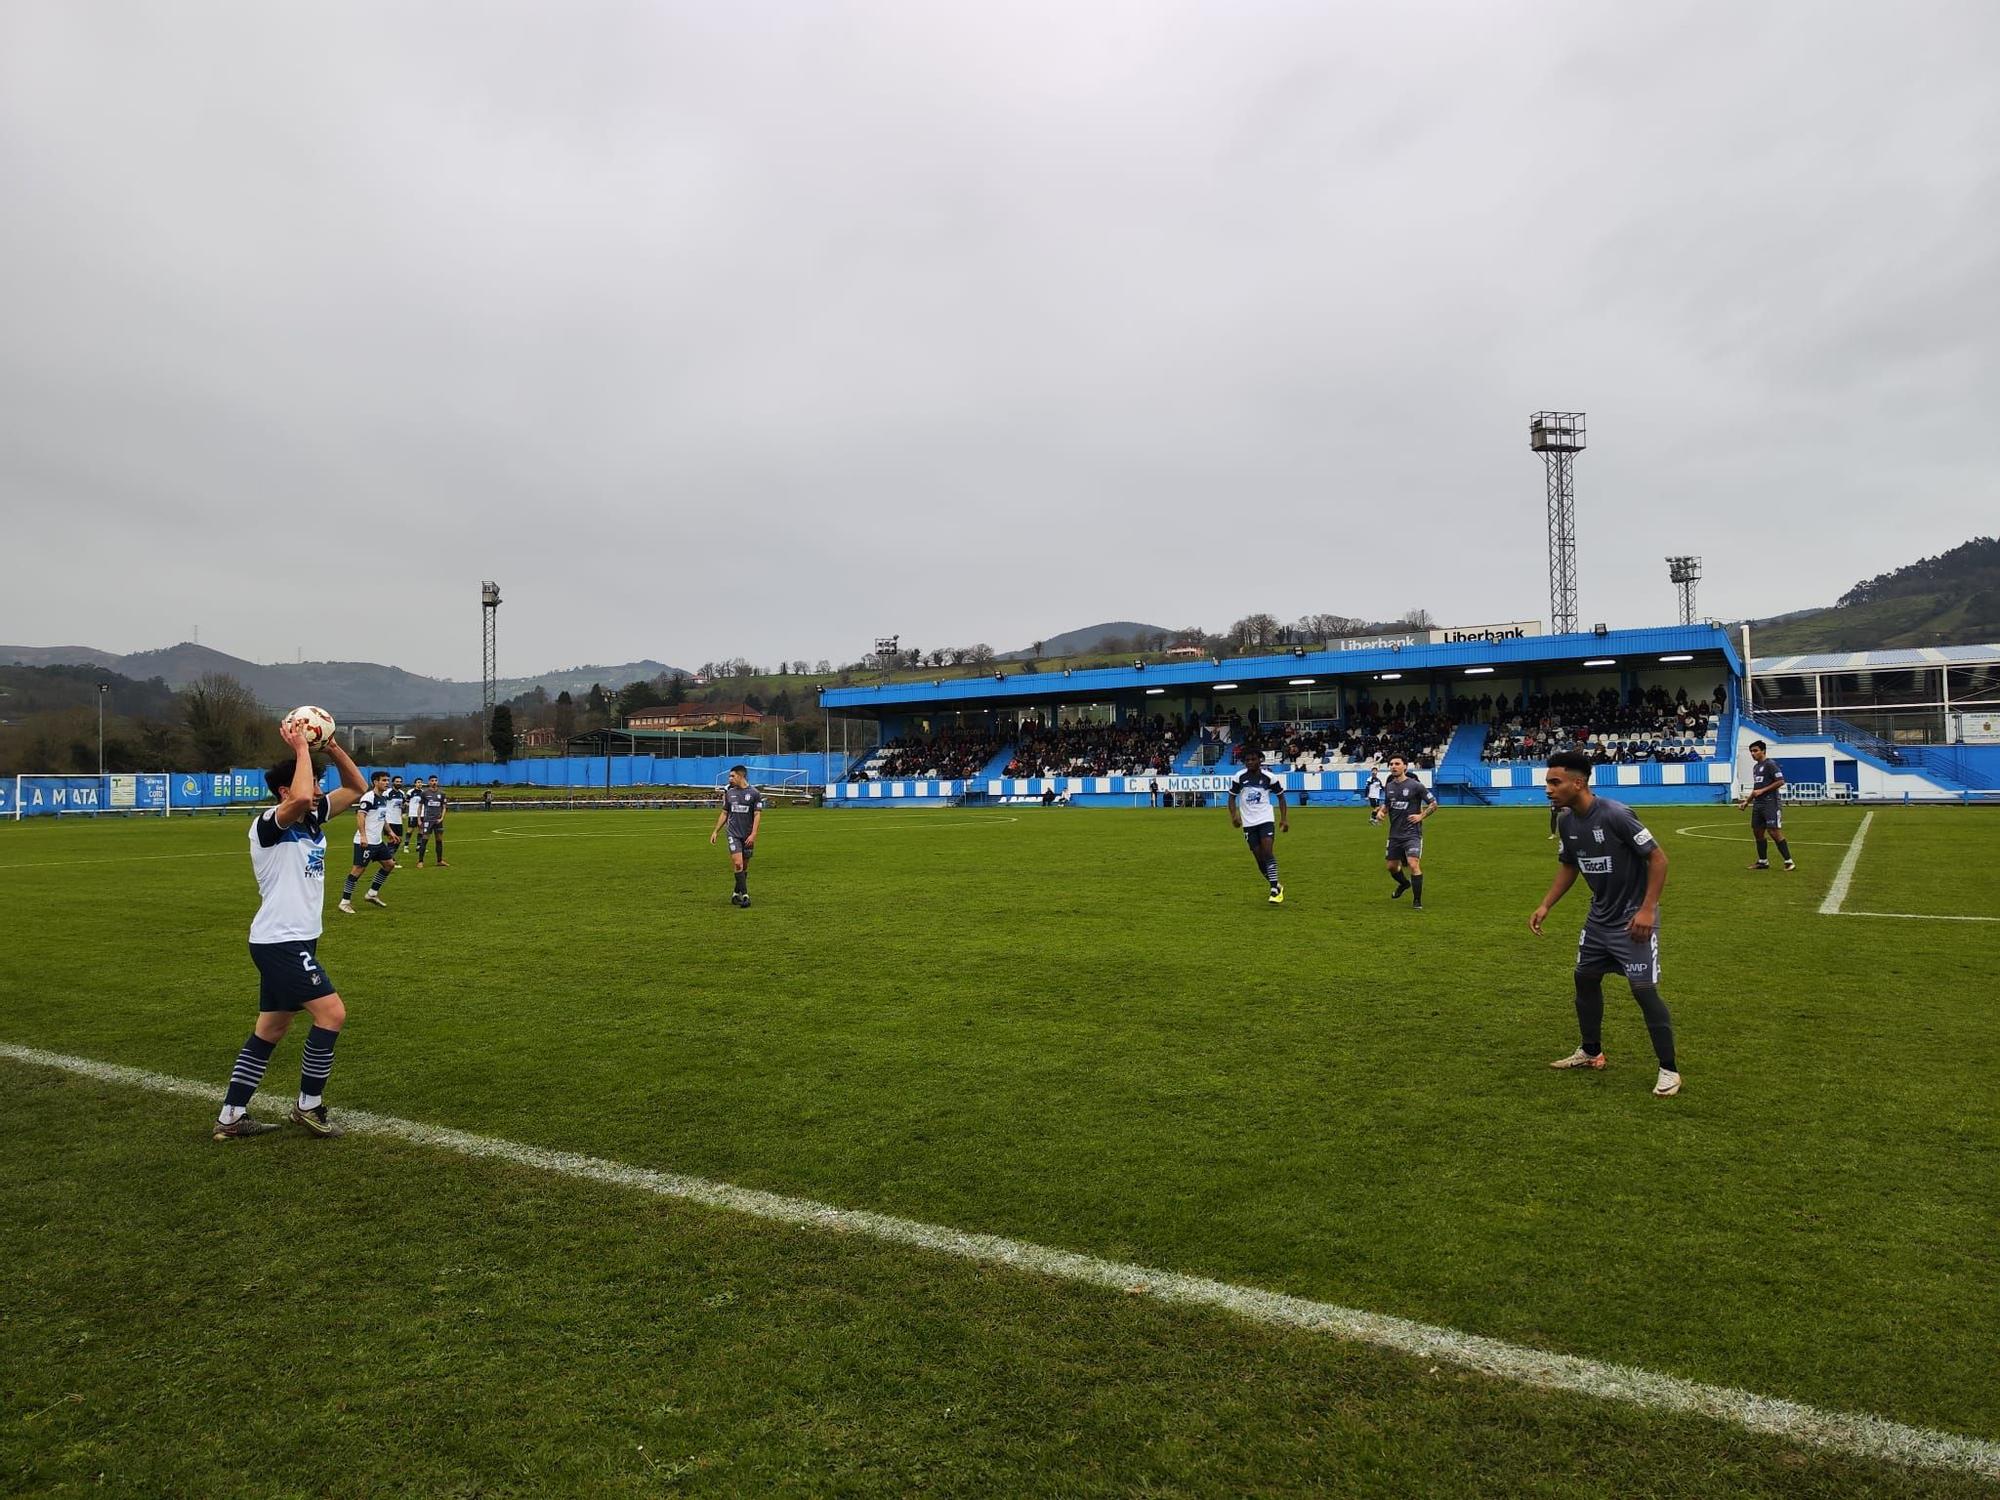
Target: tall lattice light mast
[
  {"x": 1686, "y": 573},
  {"x": 489, "y": 613},
  {"x": 1558, "y": 437}
]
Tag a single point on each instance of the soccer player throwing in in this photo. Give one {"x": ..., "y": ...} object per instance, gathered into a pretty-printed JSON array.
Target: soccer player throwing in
[
  {"x": 1406, "y": 802},
  {"x": 288, "y": 854},
  {"x": 1257, "y": 806},
  {"x": 374, "y": 843},
  {"x": 1767, "y": 808},
  {"x": 1626, "y": 871},
  {"x": 743, "y": 814}
]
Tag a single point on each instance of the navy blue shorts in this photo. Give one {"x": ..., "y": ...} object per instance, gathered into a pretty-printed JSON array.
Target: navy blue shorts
[
  {"x": 365, "y": 854},
  {"x": 1609, "y": 950},
  {"x": 289, "y": 974},
  {"x": 1764, "y": 814},
  {"x": 1256, "y": 833}
]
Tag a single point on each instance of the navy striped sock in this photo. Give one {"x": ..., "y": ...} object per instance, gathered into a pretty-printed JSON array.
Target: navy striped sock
[
  {"x": 318, "y": 1065},
  {"x": 248, "y": 1072}
]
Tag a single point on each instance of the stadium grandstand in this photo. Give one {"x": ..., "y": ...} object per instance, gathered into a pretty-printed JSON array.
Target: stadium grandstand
[{"x": 1663, "y": 710}]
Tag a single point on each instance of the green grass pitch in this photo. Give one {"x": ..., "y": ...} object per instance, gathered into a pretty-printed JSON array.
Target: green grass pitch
[{"x": 1084, "y": 1029}]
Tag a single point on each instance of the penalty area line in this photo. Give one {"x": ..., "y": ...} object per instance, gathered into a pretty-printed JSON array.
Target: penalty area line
[
  {"x": 1853, "y": 1434},
  {"x": 1844, "y": 876}
]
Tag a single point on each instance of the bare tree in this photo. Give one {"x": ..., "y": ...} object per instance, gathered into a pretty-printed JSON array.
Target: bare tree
[
  {"x": 1418, "y": 619},
  {"x": 222, "y": 717}
]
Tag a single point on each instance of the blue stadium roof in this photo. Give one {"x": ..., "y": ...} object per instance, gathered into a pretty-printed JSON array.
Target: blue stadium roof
[{"x": 1249, "y": 673}]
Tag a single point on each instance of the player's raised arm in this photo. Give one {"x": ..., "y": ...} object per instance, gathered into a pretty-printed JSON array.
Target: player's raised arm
[
  {"x": 351, "y": 785},
  {"x": 303, "y": 792}
]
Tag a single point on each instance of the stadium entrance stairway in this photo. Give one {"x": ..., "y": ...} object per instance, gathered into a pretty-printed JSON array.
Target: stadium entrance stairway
[{"x": 1459, "y": 777}]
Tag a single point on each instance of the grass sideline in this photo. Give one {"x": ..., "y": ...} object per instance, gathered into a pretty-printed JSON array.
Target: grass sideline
[{"x": 1087, "y": 1030}]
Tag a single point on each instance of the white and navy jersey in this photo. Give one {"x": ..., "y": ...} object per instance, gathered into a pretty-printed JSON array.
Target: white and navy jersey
[
  {"x": 1257, "y": 793},
  {"x": 1374, "y": 789},
  {"x": 1765, "y": 773},
  {"x": 394, "y": 801},
  {"x": 371, "y": 812},
  {"x": 290, "y": 864}
]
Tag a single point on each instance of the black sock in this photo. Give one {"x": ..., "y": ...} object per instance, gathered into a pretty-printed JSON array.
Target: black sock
[
  {"x": 742, "y": 882},
  {"x": 1763, "y": 850},
  {"x": 440, "y": 842},
  {"x": 381, "y": 878},
  {"x": 348, "y": 889},
  {"x": 1659, "y": 1022},
  {"x": 317, "y": 1065},
  {"x": 249, "y": 1071},
  {"x": 1402, "y": 884},
  {"x": 1784, "y": 851},
  {"x": 1417, "y": 888},
  {"x": 1590, "y": 1012}
]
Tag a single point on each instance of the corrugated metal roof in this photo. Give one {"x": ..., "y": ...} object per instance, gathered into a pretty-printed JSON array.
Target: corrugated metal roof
[
  {"x": 1900, "y": 660},
  {"x": 1197, "y": 678}
]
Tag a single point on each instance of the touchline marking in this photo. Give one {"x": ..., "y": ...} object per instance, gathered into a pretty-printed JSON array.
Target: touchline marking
[
  {"x": 1844, "y": 876},
  {"x": 117, "y": 859},
  {"x": 1913, "y": 916},
  {"x": 1856, "y": 1434}
]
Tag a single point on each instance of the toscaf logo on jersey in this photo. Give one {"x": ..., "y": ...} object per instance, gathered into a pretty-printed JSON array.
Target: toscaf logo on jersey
[{"x": 1595, "y": 864}]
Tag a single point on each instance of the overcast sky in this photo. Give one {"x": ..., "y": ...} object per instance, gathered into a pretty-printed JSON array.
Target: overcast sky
[{"x": 711, "y": 329}]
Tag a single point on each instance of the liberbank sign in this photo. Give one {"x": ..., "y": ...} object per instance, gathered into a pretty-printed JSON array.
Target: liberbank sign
[{"x": 1510, "y": 630}]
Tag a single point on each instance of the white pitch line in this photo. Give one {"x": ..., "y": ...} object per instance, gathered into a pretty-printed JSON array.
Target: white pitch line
[
  {"x": 1856, "y": 1434},
  {"x": 1693, "y": 831},
  {"x": 117, "y": 859},
  {"x": 1844, "y": 876},
  {"x": 1914, "y": 916}
]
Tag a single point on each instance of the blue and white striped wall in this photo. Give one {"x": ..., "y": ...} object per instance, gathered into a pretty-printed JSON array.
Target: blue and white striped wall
[{"x": 1647, "y": 773}]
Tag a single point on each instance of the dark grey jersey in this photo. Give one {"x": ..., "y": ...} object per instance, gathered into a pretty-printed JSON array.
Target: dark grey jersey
[
  {"x": 1765, "y": 773},
  {"x": 1612, "y": 849},
  {"x": 742, "y": 804},
  {"x": 1405, "y": 797}
]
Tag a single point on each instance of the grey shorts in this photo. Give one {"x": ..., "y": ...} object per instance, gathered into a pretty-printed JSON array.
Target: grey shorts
[
  {"x": 1404, "y": 846},
  {"x": 1607, "y": 950}
]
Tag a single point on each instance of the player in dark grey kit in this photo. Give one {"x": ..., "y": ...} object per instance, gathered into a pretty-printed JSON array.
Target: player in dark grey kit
[
  {"x": 743, "y": 814},
  {"x": 1626, "y": 871},
  {"x": 1406, "y": 802},
  {"x": 1767, "y": 807}
]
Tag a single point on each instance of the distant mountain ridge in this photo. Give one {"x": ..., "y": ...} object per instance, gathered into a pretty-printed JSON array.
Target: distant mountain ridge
[
  {"x": 1952, "y": 599},
  {"x": 344, "y": 688},
  {"x": 1090, "y": 638}
]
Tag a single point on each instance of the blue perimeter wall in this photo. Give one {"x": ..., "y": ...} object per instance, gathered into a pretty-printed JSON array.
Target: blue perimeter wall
[{"x": 593, "y": 770}]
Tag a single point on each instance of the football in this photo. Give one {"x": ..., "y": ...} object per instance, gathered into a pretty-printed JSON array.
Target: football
[{"x": 315, "y": 723}]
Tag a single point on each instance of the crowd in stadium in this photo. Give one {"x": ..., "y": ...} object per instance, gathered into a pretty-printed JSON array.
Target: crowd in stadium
[
  {"x": 953, "y": 755},
  {"x": 1373, "y": 733},
  {"x": 1647, "y": 725},
  {"x": 1136, "y": 747}
]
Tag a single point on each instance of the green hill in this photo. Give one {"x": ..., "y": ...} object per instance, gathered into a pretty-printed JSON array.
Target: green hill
[{"x": 1952, "y": 599}]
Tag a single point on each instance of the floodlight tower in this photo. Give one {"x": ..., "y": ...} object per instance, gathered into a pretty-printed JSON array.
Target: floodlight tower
[
  {"x": 1686, "y": 573},
  {"x": 489, "y": 608},
  {"x": 1558, "y": 437}
]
